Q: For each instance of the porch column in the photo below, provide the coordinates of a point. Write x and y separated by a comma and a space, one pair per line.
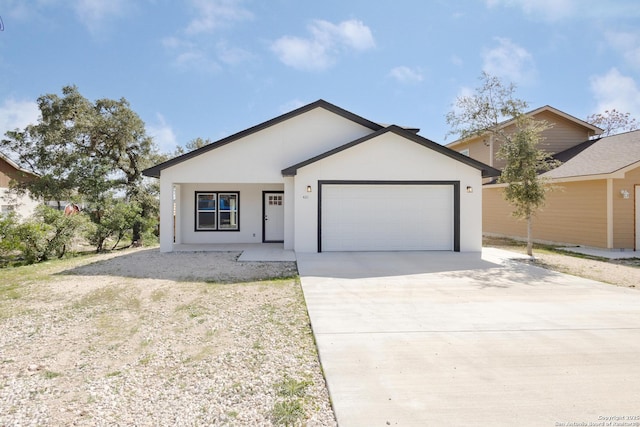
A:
177, 229
289, 209
609, 213
166, 215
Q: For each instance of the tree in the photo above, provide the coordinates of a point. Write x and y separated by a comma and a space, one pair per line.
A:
493, 110
47, 148
112, 220
194, 144
85, 150
613, 121
47, 233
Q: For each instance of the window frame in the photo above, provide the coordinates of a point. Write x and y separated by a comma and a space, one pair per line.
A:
218, 213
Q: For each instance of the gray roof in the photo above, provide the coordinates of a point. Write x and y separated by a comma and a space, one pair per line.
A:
601, 157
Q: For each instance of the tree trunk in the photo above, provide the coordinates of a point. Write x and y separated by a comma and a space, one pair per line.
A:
529, 242
136, 238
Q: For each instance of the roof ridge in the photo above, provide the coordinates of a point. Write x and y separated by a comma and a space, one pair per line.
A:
154, 171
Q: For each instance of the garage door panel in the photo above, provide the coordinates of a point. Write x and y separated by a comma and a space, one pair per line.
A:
387, 217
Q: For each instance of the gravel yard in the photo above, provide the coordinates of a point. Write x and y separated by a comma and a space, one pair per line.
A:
622, 272
144, 338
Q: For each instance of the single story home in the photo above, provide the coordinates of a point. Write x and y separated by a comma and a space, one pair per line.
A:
321, 178
24, 206
595, 201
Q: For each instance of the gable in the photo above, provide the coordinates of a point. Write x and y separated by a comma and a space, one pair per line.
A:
566, 132
416, 152
563, 134
260, 155
337, 114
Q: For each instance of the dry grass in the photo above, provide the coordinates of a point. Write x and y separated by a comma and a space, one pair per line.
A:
622, 272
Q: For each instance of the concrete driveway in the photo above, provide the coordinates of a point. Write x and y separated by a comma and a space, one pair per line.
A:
440, 338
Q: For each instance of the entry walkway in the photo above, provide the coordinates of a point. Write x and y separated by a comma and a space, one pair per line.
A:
263, 252
453, 339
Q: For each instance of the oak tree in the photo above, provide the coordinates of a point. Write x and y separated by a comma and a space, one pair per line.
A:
493, 109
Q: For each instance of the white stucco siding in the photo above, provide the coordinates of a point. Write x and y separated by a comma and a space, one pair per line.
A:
250, 218
388, 157
261, 156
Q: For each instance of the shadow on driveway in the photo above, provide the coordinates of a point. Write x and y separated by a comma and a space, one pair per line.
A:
439, 338
487, 269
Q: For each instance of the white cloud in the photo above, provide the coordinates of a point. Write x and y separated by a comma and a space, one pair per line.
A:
510, 61
326, 43
302, 54
162, 134
232, 55
213, 14
350, 33
94, 14
547, 10
17, 115
613, 90
194, 49
626, 43
582, 10
188, 56
196, 60
406, 75
463, 92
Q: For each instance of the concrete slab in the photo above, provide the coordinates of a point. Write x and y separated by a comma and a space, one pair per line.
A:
267, 252
260, 252
441, 338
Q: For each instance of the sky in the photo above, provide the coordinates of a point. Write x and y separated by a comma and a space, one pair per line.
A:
211, 68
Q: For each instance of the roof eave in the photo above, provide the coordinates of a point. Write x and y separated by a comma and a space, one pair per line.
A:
155, 171
486, 171
596, 130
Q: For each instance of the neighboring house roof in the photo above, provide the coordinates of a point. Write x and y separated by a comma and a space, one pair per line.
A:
155, 170
15, 166
599, 157
487, 171
547, 108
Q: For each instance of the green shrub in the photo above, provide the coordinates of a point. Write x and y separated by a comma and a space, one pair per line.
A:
47, 233
114, 219
9, 240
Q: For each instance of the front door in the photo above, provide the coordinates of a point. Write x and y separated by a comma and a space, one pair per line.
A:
273, 216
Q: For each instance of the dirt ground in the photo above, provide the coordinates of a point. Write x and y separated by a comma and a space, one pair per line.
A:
144, 338
139, 337
623, 272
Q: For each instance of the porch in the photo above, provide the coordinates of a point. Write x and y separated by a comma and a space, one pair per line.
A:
260, 252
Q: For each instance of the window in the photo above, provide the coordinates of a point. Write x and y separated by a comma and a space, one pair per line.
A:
275, 200
217, 211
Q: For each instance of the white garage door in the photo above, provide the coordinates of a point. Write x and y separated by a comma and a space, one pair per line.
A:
387, 217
